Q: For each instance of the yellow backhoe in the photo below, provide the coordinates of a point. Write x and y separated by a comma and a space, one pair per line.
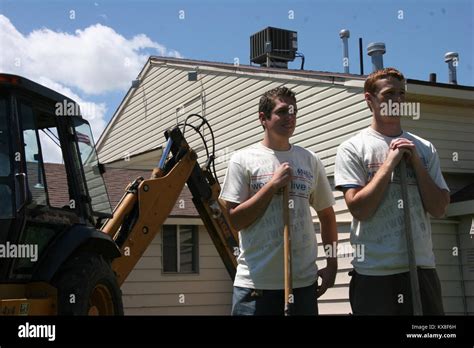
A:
72, 259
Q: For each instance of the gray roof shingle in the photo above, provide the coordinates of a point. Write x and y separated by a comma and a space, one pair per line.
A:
116, 181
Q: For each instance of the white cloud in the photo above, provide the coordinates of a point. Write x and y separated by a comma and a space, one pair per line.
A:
93, 112
95, 60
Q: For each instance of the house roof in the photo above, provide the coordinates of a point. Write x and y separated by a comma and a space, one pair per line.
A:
440, 84
464, 194
116, 180
254, 68
296, 72
462, 202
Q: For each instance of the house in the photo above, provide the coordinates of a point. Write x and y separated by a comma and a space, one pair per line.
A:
331, 109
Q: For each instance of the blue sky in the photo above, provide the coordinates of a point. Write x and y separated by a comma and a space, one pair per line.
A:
79, 47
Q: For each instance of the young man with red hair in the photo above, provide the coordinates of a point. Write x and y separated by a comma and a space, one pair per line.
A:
367, 172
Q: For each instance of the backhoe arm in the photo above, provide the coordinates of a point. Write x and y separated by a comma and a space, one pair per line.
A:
146, 205
205, 190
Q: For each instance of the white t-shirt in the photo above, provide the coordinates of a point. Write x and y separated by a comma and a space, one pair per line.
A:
383, 234
261, 262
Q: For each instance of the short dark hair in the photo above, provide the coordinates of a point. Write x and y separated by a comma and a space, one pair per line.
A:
267, 101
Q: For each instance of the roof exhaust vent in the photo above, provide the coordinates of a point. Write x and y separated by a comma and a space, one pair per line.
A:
452, 58
376, 50
344, 34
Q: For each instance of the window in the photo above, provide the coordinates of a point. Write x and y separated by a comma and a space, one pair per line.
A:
54, 169
180, 249
34, 168
4, 140
6, 205
44, 158
95, 182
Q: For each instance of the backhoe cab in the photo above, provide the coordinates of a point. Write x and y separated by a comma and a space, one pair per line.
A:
66, 253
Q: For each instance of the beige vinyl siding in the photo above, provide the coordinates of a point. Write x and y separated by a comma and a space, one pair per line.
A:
444, 234
141, 124
336, 300
236, 125
450, 129
341, 210
328, 112
466, 242
149, 291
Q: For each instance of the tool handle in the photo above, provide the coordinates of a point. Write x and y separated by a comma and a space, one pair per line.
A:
414, 284
287, 253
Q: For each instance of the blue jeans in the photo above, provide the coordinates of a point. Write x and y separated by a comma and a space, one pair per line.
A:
247, 301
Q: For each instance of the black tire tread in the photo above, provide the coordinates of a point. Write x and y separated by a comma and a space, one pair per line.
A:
78, 276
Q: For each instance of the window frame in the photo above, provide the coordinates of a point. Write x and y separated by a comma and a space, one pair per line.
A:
195, 248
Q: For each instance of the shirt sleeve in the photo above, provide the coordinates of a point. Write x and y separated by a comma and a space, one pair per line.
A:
236, 187
434, 169
321, 196
349, 169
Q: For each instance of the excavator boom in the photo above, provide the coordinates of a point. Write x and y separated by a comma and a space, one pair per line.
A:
146, 205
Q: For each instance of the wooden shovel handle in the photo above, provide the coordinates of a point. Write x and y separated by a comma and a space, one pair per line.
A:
287, 253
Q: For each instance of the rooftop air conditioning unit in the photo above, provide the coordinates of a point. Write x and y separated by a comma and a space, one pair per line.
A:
273, 47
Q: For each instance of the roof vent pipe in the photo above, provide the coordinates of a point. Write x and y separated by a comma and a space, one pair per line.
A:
452, 58
376, 50
344, 34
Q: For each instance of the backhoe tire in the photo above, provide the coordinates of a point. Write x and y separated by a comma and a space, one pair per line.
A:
87, 285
